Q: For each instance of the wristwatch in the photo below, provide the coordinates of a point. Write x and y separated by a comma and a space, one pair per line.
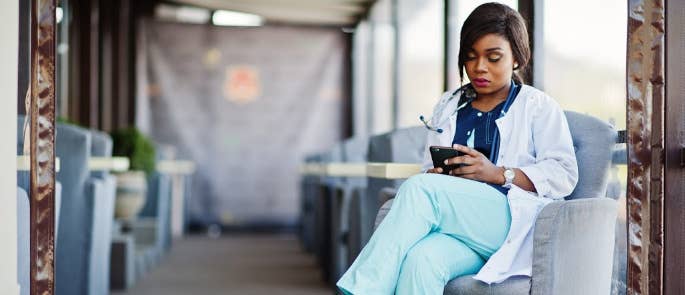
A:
509, 175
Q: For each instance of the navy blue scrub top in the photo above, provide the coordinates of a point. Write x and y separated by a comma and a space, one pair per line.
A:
476, 129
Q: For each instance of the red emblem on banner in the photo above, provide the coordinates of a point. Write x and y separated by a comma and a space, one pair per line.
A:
242, 84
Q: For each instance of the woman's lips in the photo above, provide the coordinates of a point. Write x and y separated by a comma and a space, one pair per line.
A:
480, 82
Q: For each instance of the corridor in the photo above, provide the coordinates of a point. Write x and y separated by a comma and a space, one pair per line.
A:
243, 264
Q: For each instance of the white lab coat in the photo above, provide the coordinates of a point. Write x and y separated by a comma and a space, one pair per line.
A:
535, 138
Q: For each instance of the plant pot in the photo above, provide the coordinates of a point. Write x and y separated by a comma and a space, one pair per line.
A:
131, 194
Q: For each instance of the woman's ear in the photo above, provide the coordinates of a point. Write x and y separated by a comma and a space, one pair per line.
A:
516, 66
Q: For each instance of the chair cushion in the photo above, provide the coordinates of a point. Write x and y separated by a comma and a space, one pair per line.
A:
466, 285
594, 141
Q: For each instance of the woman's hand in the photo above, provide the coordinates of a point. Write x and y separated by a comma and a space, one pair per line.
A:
479, 166
434, 170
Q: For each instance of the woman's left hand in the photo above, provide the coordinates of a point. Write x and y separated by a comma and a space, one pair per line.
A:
477, 166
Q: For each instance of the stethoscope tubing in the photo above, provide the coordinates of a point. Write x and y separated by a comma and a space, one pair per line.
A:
494, 145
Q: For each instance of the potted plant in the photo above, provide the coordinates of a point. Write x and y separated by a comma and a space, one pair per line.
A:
132, 184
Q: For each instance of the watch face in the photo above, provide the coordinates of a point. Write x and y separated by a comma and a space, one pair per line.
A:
509, 173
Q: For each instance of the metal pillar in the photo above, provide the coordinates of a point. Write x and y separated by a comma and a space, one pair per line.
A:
645, 115
42, 113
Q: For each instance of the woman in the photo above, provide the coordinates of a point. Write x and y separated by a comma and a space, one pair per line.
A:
478, 219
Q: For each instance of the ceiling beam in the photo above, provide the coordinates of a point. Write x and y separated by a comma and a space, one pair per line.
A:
337, 7
301, 14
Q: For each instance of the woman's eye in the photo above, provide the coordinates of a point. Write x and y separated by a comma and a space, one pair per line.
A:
494, 59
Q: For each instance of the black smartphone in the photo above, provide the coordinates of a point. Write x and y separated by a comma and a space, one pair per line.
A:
441, 153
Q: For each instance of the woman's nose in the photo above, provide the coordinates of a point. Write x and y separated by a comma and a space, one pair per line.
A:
481, 67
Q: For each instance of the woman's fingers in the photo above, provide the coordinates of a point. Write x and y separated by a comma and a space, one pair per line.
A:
465, 171
437, 170
467, 150
466, 160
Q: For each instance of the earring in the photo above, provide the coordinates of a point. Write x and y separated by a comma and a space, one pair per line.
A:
516, 66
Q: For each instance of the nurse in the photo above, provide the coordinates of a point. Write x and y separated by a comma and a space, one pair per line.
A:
478, 220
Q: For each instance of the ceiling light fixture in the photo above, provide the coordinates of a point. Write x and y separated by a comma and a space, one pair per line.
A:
236, 19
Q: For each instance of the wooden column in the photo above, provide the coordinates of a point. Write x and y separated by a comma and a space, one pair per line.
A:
122, 65
527, 10
107, 50
85, 82
645, 115
138, 10
42, 114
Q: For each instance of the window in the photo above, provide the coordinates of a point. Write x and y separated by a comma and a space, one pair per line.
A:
420, 58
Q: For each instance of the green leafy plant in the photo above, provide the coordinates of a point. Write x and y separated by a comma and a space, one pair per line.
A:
66, 120
131, 143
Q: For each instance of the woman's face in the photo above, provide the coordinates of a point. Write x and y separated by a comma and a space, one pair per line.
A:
490, 65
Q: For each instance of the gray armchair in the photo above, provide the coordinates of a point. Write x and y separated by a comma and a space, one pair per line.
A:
152, 228
308, 186
574, 239
400, 146
323, 202
103, 219
74, 226
75, 240
354, 150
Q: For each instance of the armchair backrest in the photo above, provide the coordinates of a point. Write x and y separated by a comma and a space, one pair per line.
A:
73, 145
404, 145
355, 150
593, 141
103, 218
334, 155
101, 147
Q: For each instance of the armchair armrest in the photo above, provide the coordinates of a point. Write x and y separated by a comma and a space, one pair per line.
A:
573, 247
145, 231
386, 194
102, 194
385, 197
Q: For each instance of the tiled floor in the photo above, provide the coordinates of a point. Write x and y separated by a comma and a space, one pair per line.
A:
234, 264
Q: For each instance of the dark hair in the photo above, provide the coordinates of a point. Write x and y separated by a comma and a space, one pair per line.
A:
499, 19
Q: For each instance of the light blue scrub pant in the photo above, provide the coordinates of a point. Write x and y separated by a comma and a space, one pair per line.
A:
439, 227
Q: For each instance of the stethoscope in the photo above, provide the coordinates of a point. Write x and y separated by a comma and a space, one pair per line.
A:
470, 95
